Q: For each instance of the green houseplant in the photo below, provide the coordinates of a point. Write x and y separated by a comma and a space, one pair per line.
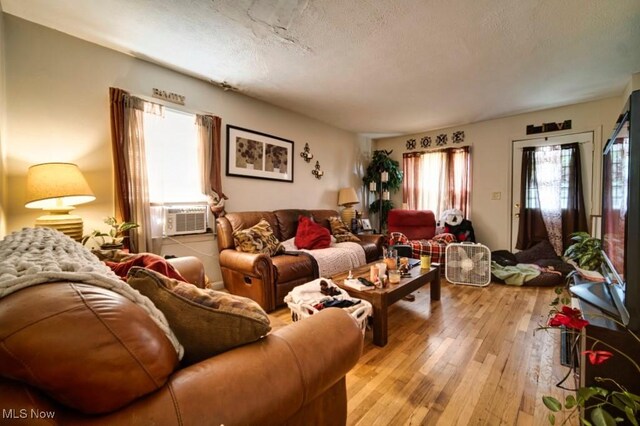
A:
381, 162
586, 251
113, 239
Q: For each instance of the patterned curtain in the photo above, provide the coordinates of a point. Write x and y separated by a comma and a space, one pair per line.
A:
551, 196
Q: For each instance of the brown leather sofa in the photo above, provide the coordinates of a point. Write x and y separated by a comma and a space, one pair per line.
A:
76, 333
266, 279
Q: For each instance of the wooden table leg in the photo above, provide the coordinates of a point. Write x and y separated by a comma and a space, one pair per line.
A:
435, 287
380, 322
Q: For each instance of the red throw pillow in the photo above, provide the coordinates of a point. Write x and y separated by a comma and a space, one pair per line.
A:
311, 235
148, 261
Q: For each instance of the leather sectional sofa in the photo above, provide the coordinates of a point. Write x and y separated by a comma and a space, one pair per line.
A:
66, 344
266, 279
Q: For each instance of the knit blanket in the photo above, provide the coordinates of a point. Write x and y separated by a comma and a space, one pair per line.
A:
340, 257
41, 255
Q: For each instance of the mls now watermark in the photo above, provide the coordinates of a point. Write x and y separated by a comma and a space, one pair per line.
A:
23, 413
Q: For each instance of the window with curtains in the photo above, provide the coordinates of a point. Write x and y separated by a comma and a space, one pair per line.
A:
552, 199
173, 166
437, 180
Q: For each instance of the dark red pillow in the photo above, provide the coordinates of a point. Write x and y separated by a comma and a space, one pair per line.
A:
148, 261
311, 235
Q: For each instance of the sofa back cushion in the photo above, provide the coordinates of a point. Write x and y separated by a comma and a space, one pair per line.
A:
288, 222
86, 347
415, 224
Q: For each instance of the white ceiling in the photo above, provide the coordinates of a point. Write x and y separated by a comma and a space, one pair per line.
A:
375, 66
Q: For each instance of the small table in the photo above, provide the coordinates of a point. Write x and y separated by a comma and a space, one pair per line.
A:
382, 298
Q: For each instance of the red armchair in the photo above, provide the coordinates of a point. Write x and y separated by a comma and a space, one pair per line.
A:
417, 228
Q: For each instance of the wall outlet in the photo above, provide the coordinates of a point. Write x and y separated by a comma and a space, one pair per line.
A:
496, 195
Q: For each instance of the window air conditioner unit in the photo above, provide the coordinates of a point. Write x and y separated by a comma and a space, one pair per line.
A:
179, 220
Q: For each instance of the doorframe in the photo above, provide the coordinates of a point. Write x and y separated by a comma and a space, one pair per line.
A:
596, 173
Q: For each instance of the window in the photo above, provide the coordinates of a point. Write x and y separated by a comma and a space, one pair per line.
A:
173, 167
437, 180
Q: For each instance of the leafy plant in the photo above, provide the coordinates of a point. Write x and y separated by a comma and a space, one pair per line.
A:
586, 251
115, 236
381, 162
606, 407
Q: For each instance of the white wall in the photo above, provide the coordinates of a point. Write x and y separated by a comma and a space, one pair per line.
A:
3, 154
491, 143
57, 110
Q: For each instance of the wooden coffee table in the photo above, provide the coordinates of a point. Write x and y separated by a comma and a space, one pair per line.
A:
382, 298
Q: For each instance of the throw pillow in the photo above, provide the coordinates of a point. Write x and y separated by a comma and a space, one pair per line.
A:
311, 235
258, 239
146, 260
340, 231
398, 238
206, 322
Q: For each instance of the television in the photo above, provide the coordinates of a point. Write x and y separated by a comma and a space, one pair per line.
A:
619, 296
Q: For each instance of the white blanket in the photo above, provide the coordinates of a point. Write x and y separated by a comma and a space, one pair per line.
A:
339, 257
42, 255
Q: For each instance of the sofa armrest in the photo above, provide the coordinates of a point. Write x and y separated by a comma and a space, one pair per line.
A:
377, 239
191, 268
268, 381
254, 264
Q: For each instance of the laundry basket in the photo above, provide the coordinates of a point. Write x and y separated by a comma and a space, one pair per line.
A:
302, 299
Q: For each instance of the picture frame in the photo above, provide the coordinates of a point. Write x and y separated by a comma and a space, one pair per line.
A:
366, 225
258, 155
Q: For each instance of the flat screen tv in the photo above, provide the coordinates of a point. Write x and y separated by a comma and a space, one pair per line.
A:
620, 295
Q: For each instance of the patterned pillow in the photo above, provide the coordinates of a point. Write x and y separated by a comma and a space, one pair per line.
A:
340, 231
396, 238
206, 322
258, 239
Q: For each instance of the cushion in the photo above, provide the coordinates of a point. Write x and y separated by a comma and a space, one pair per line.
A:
206, 322
340, 231
542, 250
147, 260
258, 239
311, 235
398, 238
84, 346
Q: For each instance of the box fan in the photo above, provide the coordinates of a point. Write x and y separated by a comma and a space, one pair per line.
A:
468, 264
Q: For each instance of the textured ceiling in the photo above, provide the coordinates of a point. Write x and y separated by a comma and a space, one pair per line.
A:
375, 66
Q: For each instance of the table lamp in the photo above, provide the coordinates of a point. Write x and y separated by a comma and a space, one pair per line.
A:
56, 188
347, 198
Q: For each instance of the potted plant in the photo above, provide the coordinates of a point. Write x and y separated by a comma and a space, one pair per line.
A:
381, 162
114, 238
586, 251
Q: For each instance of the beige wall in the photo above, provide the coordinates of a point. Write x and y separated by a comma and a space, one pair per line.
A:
3, 171
57, 110
491, 143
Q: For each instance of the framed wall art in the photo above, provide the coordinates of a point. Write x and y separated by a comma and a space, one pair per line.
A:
258, 155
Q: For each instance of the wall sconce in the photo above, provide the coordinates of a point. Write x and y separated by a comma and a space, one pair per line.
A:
317, 172
56, 188
306, 154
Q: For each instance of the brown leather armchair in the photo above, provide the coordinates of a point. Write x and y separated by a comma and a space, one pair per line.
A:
266, 279
73, 371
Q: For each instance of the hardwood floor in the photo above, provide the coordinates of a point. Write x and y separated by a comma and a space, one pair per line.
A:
470, 359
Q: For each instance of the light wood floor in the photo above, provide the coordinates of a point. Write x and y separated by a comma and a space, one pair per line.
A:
470, 359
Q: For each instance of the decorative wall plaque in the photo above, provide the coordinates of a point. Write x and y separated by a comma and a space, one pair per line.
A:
457, 137
411, 144
441, 139
548, 127
425, 142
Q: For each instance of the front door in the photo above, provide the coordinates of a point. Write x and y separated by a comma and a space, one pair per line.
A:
586, 154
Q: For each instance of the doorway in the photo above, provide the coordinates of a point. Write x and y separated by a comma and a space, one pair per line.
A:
586, 153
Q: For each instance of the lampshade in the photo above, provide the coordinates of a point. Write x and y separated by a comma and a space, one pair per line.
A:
57, 187
51, 185
347, 197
